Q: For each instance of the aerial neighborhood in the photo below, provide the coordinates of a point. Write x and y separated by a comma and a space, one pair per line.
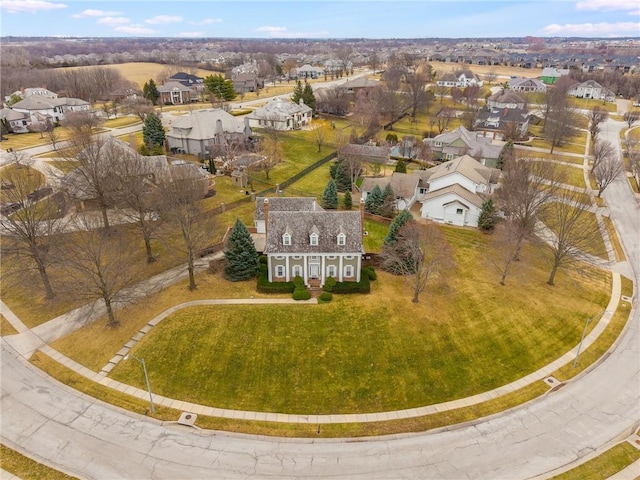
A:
318, 239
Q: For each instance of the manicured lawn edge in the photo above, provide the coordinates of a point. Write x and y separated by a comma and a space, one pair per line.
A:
588, 359
605, 465
24, 467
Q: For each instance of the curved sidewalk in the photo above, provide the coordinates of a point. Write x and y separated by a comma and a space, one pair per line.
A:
543, 374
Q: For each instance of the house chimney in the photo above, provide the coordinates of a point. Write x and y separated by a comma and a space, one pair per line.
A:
301, 102
265, 209
219, 129
361, 216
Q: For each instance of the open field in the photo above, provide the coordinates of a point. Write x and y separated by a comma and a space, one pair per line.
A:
500, 70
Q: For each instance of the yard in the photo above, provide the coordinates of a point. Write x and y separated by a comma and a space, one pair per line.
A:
358, 353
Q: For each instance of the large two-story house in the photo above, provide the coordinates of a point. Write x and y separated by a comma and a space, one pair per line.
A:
505, 115
196, 132
461, 141
591, 89
455, 191
460, 79
281, 115
303, 239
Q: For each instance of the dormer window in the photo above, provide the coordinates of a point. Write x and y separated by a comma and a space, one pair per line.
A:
314, 233
342, 238
286, 239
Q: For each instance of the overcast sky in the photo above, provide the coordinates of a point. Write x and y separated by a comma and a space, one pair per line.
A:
320, 18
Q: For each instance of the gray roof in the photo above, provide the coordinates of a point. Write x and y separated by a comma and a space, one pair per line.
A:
465, 165
12, 115
362, 82
202, 124
506, 96
286, 204
478, 146
174, 86
371, 152
458, 190
403, 184
326, 224
278, 108
38, 102
526, 82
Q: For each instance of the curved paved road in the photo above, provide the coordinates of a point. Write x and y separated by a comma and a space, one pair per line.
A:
92, 440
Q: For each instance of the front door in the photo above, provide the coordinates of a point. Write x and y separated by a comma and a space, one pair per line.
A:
314, 270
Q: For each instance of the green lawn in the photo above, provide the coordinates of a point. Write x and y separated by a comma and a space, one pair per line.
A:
605, 465
374, 352
571, 175
24, 467
121, 122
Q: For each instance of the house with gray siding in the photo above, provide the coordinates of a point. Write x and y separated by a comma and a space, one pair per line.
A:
302, 239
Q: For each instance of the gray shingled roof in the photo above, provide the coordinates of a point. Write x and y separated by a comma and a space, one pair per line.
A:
328, 224
458, 190
202, 124
403, 184
174, 86
286, 204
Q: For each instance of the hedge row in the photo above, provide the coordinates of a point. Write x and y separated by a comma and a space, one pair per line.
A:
265, 286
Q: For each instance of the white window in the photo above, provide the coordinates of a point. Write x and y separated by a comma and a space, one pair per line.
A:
286, 239
348, 257
313, 239
438, 144
331, 257
348, 271
331, 271
297, 271
297, 257
341, 239
280, 271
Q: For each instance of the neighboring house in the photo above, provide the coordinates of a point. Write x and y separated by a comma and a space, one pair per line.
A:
506, 99
460, 79
125, 93
527, 85
155, 169
360, 84
306, 71
404, 186
27, 92
246, 82
367, 153
550, 75
174, 93
591, 89
16, 122
455, 191
187, 80
494, 123
303, 239
37, 106
193, 133
461, 141
281, 115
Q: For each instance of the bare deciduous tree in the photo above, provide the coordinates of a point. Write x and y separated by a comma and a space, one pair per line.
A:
631, 117
98, 265
420, 253
527, 186
320, 134
419, 98
575, 231
179, 201
606, 172
596, 116
140, 107
31, 229
602, 151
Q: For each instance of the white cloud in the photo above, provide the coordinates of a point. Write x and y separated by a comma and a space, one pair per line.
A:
207, 21
163, 20
29, 6
190, 34
619, 29
282, 32
114, 21
135, 30
607, 5
95, 13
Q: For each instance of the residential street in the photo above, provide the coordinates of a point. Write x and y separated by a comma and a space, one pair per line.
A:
89, 439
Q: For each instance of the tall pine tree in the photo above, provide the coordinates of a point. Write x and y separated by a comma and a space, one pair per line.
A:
150, 91
308, 97
373, 203
153, 132
388, 207
240, 254
330, 196
297, 92
392, 234
347, 201
488, 216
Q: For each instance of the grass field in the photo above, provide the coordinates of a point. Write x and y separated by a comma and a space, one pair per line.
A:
469, 316
604, 465
28, 469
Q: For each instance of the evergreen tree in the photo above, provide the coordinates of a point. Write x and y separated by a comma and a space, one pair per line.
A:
220, 87
339, 171
240, 254
150, 91
388, 207
347, 201
401, 167
373, 203
330, 196
153, 132
297, 92
392, 234
308, 97
507, 153
488, 216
